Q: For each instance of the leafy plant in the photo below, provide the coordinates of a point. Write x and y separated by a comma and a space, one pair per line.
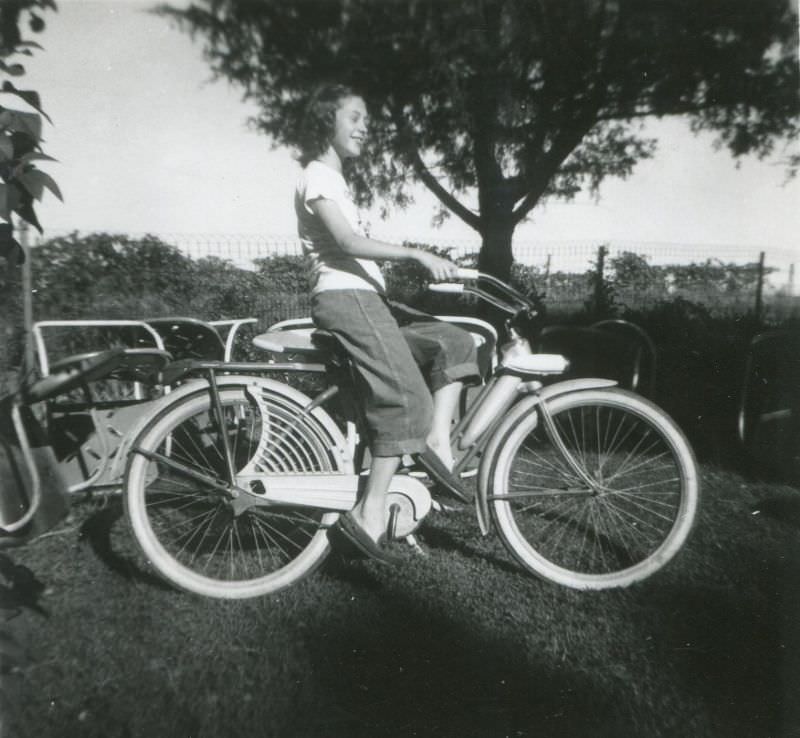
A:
21, 182
285, 273
21, 130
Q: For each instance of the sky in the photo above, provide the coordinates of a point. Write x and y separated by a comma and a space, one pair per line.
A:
147, 142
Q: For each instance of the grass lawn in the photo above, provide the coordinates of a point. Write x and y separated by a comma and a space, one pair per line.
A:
459, 643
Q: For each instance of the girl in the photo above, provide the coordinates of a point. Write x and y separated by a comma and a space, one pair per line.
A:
387, 342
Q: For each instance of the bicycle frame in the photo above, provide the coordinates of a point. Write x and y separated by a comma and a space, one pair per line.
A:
248, 487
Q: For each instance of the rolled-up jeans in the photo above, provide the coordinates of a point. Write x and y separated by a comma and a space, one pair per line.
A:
395, 349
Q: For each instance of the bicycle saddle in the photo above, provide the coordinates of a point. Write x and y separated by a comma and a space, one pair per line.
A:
314, 344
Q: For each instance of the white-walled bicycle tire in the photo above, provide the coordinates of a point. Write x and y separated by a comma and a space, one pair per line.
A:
186, 530
564, 531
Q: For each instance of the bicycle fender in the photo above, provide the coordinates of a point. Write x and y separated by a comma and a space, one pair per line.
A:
149, 410
574, 385
486, 468
518, 411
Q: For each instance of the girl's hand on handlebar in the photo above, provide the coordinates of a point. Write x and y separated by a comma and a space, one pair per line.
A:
441, 269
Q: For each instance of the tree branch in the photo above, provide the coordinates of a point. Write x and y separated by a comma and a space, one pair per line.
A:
586, 116
446, 198
429, 180
563, 146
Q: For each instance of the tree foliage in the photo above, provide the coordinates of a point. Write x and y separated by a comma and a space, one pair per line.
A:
497, 104
712, 277
21, 130
21, 182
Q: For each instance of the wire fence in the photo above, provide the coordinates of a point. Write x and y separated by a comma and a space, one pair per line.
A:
734, 278
573, 276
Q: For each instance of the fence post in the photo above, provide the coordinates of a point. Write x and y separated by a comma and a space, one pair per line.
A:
600, 301
547, 275
760, 286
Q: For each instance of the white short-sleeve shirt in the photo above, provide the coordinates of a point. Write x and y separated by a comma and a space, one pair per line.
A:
332, 268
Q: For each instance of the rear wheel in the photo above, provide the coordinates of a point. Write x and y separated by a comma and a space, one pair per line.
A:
622, 517
188, 528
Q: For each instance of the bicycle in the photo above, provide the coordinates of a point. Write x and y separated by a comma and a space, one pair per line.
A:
234, 478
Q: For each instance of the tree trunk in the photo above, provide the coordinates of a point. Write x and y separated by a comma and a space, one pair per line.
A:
495, 255
495, 258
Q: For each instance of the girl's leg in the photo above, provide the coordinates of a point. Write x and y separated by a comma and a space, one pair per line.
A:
449, 356
445, 403
370, 511
397, 403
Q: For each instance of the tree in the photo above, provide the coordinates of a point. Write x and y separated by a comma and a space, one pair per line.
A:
511, 101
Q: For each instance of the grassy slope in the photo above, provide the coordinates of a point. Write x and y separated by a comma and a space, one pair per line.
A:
461, 643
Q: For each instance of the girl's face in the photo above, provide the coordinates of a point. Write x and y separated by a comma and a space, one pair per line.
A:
350, 127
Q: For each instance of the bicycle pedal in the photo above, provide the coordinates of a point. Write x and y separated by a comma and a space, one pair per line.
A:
441, 507
412, 542
443, 478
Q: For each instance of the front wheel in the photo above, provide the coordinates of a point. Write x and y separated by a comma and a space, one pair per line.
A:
618, 518
183, 519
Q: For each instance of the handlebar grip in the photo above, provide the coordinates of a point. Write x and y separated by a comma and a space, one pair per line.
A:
468, 274
446, 287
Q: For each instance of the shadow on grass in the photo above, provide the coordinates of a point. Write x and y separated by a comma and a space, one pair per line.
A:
98, 529
783, 508
19, 588
740, 654
429, 649
441, 538
347, 569
406, 670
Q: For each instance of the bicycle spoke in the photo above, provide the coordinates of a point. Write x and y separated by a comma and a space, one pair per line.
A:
582, 534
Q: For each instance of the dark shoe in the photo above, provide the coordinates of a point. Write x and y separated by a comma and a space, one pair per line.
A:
440, 474
357, 537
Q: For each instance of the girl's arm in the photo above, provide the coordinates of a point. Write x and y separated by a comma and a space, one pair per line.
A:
361, 247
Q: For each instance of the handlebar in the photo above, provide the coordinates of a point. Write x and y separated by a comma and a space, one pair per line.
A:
452, 287
509, 299
465, 275
133, 365
72, 372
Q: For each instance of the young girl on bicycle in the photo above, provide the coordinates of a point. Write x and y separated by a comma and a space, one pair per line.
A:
390, 344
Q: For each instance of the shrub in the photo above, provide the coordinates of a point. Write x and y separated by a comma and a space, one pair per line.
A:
106, 275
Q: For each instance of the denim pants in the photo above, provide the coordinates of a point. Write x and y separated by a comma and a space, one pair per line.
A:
398, 353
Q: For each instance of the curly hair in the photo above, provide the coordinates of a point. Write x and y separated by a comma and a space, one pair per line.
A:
319, 117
